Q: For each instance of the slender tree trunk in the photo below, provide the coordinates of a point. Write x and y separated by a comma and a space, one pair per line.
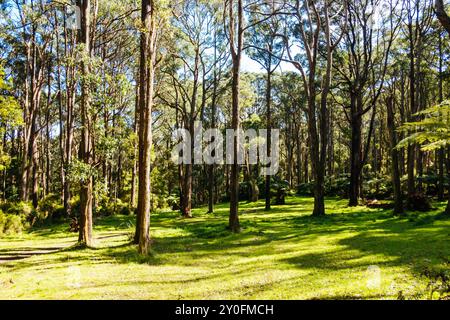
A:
236, 33
234, 179
186, 204
36, 85
447, 210
269, 133
299, 139
395, 175
68, 148
47, 130
355, 158
212, 167
60, 112
330, 160
441, 151
70, 84
319, 175
135, 130
306, 163
355, 151
146, 87
413, 109
85, 152
28, 117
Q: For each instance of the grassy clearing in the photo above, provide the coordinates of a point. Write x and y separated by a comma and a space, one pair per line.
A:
284, 254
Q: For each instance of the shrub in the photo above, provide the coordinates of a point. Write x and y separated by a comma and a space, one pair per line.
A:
334, 186
158, 202
174, 202
2, 222
244, 190
17, 215
50, 207
126, 211
337, 186
21, 208
377, 187
419, 202
75, 205
10, 224
113, 207
13, 224
305, 189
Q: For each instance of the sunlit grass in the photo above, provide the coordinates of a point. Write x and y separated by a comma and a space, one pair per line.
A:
282, 254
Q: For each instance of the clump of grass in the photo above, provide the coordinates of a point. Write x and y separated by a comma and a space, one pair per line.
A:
439, 281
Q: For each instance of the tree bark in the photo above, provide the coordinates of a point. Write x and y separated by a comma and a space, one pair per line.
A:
135, 130
442, 15
447, 210
186, 204
395, 175
441, 152
235, 32
355, 151
146, 88
269, 128
413, 109
212, 167
85, 152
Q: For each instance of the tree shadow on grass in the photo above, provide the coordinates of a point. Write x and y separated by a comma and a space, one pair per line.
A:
404, 243
205, 237
417, 246
15, 254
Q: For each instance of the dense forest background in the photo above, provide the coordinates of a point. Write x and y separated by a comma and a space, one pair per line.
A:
359, 90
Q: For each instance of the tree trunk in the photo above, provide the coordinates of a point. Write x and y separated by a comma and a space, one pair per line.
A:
146, 87
134, 169
319, 175
236, 33
234, 179
212, 167
269, 133
441, 151
355, 153
85, 152
186, 204
395, 175
413, 109
442, 15
447, 210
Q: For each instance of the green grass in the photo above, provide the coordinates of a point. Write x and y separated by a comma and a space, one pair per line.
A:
283, 254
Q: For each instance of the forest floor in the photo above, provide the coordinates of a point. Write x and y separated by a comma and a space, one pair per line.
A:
352, 253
